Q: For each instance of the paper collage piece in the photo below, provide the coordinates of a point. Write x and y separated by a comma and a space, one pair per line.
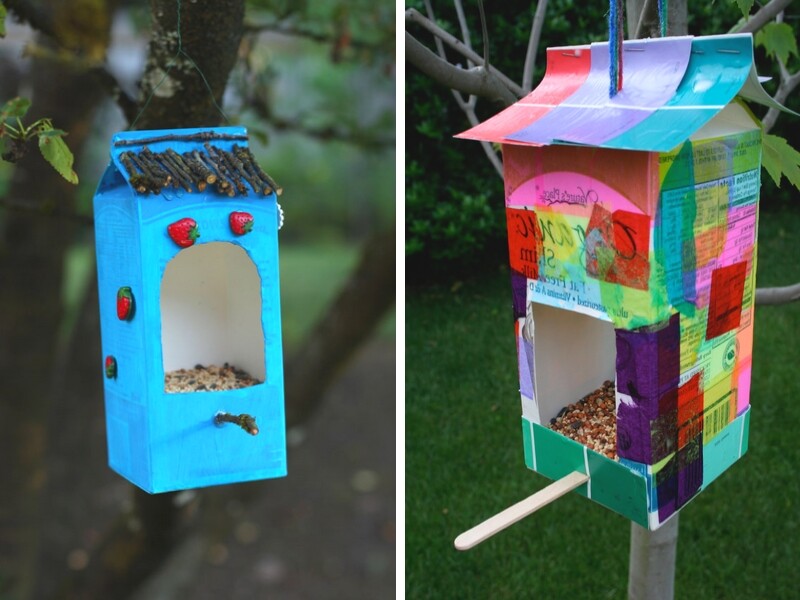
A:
187, 260
635, 263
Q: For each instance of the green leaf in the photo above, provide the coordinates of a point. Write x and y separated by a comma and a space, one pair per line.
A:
778, 40
55, 151
52, 133
745, 6
2, 20
14, 108
779, 158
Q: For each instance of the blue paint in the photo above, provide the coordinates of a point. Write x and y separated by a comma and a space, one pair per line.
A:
167, 441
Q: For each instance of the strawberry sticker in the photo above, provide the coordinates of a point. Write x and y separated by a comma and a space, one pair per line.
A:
125, 306
241, 222
111, 367
184, 232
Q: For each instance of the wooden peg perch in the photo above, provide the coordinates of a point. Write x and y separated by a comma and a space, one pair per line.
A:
520, 510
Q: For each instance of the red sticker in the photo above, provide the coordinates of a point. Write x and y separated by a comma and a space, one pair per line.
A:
725, 305
524, 241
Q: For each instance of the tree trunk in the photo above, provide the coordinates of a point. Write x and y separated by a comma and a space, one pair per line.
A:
187, 70
365, 298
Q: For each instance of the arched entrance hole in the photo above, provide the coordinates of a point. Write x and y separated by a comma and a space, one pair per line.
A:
211, 315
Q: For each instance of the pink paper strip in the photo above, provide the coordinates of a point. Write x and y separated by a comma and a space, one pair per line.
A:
567, 69
653, 71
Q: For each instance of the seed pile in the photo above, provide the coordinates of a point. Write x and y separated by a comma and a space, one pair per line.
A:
229, 172
591, 421
207, 379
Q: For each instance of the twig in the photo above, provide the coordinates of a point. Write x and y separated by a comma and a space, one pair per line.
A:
246, 422
646, 9
202, 136
262, 174
485, 33
462, 23
183, 168
331, 133
533, 46
325, 38
477, 81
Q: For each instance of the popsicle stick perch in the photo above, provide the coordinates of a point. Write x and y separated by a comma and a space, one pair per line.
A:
519, 511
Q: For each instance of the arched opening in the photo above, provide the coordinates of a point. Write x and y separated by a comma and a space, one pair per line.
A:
212, 338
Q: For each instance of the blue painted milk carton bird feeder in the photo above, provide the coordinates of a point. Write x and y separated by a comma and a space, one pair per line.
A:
186, 226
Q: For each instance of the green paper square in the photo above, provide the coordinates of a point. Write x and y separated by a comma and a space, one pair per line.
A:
526, 443
618, 488
556, 455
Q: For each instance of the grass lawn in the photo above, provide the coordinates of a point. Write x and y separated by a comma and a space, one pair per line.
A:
740, 538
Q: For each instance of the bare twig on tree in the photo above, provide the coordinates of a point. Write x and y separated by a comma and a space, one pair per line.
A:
533, 45
647, 14
477, 81
315, 36
414, 16
466, 105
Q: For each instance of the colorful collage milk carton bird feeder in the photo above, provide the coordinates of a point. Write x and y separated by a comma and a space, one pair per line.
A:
632, 226
186, 229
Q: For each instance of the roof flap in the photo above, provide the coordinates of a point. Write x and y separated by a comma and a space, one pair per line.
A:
193, 159
672, 87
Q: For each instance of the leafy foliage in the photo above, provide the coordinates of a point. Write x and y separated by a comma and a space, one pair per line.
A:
14, 137
778, 41
447, 227
56, 152
14, 109
745, 6
2, 20
779, 158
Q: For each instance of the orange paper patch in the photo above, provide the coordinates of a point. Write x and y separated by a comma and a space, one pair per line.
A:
524, 241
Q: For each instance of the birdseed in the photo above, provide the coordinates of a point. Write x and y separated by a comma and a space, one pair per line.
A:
591, 421
210, 378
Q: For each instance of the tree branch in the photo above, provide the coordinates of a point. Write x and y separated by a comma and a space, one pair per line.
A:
332, 133
533, 45
787, 85
764, 15
26, 12
309, 34
777, 295
414, 16
476, 81
352, 316
646, 16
